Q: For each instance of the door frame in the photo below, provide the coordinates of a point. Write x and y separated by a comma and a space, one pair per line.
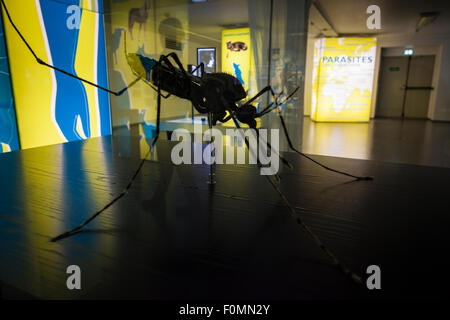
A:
394, 47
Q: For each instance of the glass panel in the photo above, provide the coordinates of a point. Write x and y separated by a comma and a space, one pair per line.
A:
238, 32
280, 59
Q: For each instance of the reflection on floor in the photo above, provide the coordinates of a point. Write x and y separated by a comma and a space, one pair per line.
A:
420, 142
173, 236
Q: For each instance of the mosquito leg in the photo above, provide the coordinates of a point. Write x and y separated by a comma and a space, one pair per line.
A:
283, 124
264, 90
277, 176
171, 66
156, 89
305, 227
269, 109
285, 162
158, 110
212, 166
177, 61
42, 62
202, 69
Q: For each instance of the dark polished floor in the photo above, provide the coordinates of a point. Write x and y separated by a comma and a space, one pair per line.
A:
174, 236
409, 141
420, 142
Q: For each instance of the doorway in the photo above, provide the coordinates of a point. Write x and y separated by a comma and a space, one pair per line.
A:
405, 86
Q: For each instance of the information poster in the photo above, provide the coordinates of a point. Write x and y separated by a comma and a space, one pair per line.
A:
343, 79
236, 54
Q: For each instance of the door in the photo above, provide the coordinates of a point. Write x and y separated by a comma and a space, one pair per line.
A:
419, 88
391, 89
405, 86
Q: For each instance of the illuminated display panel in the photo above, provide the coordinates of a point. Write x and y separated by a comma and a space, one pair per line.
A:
52, 107
342, 79
236, 54
208, 57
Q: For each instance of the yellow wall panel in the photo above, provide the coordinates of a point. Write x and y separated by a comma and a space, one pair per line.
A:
85, 65
31, 81
236, 54
52, 107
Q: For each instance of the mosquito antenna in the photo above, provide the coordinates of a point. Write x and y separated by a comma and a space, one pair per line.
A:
265, 110
277, 106
276, 97
289, 96
40, 61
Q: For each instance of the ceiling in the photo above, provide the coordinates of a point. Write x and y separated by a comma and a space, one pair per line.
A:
344, 17
209, 18
218, 12
397, 16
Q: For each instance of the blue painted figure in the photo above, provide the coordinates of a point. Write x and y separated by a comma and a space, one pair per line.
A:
71, 99
238, 73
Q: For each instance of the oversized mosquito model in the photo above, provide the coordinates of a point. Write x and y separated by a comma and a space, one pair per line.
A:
217, 94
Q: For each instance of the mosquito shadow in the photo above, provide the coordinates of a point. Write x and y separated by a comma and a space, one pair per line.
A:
87, 231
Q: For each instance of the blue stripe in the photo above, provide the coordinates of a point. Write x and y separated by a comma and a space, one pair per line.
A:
71, 98
102, 75
8, 128
100, 6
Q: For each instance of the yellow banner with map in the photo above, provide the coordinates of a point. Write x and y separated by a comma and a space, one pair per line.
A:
343, 79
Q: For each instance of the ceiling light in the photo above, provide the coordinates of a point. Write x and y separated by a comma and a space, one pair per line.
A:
425, 19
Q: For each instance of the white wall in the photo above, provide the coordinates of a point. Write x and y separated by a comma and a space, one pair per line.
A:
308, 75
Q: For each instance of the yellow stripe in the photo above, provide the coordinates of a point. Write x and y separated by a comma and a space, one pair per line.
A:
32, 83
5, 147
86, 4
84, 65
